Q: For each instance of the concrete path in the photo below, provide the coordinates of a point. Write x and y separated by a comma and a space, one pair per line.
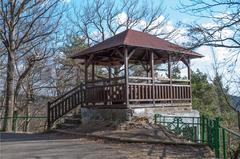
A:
62, 146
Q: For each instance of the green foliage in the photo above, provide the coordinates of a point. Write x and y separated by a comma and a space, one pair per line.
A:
212, 99
227, 113
73, 44
203, 94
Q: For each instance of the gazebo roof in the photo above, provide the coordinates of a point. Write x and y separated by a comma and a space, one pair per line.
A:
137, 39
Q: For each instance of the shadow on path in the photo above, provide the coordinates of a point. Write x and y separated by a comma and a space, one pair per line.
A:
13, 137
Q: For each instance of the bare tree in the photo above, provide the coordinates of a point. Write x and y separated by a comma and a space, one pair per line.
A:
68, 72
219, 28
97, 20
222, 28
24, 25
100, 19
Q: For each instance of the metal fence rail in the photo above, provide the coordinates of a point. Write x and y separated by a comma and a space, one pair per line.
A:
223, 141
188, 127
26, 123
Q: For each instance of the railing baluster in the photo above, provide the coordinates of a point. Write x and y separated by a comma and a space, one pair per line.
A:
108, 94
63, 104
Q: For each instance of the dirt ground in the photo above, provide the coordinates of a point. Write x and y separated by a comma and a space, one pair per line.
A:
63, 146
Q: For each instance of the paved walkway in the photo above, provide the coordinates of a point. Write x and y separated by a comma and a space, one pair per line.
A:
63, 146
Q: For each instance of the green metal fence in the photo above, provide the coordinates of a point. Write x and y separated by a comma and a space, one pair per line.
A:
25, 123
224, 142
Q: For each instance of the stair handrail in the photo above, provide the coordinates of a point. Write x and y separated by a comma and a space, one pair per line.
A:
66, 93
51, 108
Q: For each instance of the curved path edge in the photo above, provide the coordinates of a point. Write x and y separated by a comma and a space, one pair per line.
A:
128, 140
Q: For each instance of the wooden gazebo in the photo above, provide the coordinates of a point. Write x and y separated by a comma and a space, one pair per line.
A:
130, 47
129, 92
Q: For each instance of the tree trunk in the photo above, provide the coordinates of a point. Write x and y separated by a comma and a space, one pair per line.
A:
26, 128
239, 121
9, 93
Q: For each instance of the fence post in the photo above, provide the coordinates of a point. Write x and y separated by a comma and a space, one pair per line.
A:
48, 116
81, 85
15, 117
5, 118
217, 137
193, 130
203, 128
224, 144
208, 139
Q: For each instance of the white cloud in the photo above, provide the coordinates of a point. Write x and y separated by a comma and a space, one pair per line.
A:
121, 18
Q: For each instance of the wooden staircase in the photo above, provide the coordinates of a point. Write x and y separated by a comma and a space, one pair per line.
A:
64, 104
70, 122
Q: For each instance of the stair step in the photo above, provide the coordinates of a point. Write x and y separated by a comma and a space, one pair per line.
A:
73, 120
67, 125
77, 116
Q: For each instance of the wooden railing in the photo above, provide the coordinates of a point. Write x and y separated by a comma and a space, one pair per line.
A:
105, 94
85, 95
64, 104
113, 95
143, 92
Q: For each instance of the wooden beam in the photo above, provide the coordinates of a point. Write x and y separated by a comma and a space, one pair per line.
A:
88, 61
170, 76
109, 73
140, 78
185, 62
157, 54
131, 53
143, 65
86, 79
152, 75
107, 63
147, 65
169, 66
189, 78
126, 76
93, 75
239, 121
93, 71
144, 55
189, 69
119, 53
86, 70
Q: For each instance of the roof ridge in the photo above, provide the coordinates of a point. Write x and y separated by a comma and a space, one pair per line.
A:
132, 37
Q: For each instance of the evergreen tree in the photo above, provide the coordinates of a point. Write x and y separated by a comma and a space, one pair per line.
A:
212, 99
222, 98
203, 95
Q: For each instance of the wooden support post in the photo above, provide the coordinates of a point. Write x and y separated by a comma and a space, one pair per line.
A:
170, 77
189, 69
86, 80
239, 121
152, 75
93, 72
148, 65
109, 73
48, 116
86, 71
189, 78
126, 75
93, 78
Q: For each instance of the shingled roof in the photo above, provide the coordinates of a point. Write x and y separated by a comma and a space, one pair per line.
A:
137, 39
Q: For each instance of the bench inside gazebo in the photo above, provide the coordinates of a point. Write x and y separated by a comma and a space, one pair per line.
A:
122, 90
